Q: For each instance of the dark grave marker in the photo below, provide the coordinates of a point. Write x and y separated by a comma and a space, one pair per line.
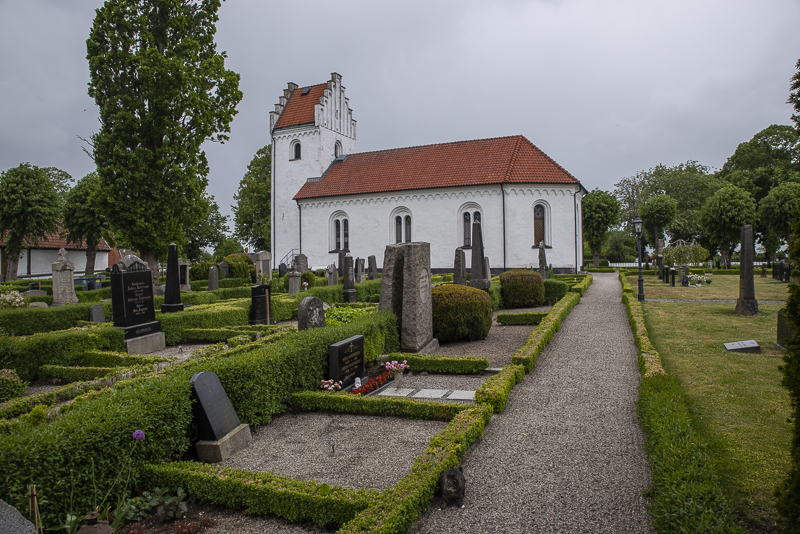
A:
672, 277
346, 360
660, 266
132, 298
213, 411
282, 270
259, 306
96, 314
743, 346
784, 331
172, 292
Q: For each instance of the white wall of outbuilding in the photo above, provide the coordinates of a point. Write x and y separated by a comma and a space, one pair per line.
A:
41, 261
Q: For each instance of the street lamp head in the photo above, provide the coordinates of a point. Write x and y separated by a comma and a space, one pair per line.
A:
637, 225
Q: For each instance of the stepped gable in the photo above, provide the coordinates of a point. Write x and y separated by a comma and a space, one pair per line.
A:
300, 107
509, 160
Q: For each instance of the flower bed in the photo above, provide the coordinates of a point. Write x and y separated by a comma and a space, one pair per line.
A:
373, 384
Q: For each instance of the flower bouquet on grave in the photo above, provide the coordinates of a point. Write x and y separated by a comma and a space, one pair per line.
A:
330, 385
397, 369
372, 385
305, 286
685, 282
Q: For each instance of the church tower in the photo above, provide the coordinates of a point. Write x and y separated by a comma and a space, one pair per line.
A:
310, 127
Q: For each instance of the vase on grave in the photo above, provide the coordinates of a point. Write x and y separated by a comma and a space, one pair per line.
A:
398, 379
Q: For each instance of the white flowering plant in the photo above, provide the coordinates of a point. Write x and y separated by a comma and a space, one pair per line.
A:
10, 298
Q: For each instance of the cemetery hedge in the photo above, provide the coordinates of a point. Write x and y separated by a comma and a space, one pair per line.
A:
521, 318
227, 313
73, 374
528, 354
464, 365
494, 392
356, 404
521, 288
99, 424
554, 290
27, 321
582, 286
460, 313
10, 385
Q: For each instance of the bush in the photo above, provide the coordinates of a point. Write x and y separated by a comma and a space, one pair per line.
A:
309, 278
27, 321
73, 374
369, 291
496, 294
239, 266
521, 318
228, 313
10, 385
494, 392
554, 290
199, 271
465, 365
521, 288
460, 313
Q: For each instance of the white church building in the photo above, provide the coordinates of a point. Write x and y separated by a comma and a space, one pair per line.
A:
326, 197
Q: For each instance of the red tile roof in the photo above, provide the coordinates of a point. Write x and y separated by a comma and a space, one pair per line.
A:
300, 108
55, 241
511, 159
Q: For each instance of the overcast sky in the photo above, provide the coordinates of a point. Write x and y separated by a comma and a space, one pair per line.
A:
605, 88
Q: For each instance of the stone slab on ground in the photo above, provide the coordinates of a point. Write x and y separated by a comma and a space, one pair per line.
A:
430, 394
396, 392
146, 344
461, 394
234, 441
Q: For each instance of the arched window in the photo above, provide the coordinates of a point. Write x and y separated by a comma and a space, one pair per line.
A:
398, 229
467, 229
337, 149
339, 231
400, 225
541, 220
408, 228
346, 233
296, 150
468, 213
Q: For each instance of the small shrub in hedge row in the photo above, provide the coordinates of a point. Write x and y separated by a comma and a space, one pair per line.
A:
460, 313
494, 392
496, 294
601, 269
228, 313
26, 355
521, 288
22, 405
27, 321
554, 290
107, 358
369, 291
74, 374
464, 365
528, 354
521, 318
581, 287
355, 404
626, 286
94, 295
10, 385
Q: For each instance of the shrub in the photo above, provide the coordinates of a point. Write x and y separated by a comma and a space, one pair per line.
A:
369, 291
199, 271
521, 288
465, 365
228, 313
494, 392
309, 278
239, 266
10, 385
27, 321
521, 318
73, 374
496, 294
554, 290
461, 313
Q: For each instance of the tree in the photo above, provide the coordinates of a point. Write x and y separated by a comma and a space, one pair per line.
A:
657, 213
600, 212
723, 216
30, 209
208, 232
83, 221
620, 246
228, 246
794, 97
776, 211
162, 89
251, 214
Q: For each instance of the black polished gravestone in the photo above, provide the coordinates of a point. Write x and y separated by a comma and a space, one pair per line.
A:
259, 304
212, 408
172, 293
346, 360
132, 298
743, 346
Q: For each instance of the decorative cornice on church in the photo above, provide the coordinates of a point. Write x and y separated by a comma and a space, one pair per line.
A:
398, 199
323, 105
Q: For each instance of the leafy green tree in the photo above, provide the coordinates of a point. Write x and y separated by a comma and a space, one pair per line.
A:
163, 90
208, 232
30, 209
723, 216
251, 214
794, 97
600, 212
83, 221
620, 246
777, 210
657, 213
228, 246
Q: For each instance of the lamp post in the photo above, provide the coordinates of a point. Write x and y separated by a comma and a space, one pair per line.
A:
637, 225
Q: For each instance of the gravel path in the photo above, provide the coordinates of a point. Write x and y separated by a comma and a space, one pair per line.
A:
566, 454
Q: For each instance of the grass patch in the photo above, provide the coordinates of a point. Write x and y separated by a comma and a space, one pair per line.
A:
721, 287
736, 401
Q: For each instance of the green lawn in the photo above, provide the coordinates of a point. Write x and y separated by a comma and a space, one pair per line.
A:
722, 286
736, 400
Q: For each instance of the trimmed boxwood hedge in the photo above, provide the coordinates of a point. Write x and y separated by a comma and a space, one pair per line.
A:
521, 288
554, 290
460, 313
228, 313
528, 354
464, 365
521, 318
10, 385
374, 405
27, 321
74, 374
494, 392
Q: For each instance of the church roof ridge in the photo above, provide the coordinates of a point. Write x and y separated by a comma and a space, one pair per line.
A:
299, 107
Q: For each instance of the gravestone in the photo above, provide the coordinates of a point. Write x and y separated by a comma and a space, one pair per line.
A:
213, 278
34, 293
13, 522
660, 266
487, 269
743, 346
478, 278
34, 286
360, 275
263, 262
310, 314
221, 432
333, 276
340, 265
680, 273
406, 291
63, 283
183, 274
96, 314
294, 283
459, 268
784, 332
132, 305
346, 360
542, 262
349, 279
282, 270
224, 269
172, 291
672, 277
372, 268
747, 303
763, 270
711, 265
300, 263
259, 304
37, 304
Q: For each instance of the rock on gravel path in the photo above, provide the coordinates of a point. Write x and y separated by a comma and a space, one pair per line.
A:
566, 455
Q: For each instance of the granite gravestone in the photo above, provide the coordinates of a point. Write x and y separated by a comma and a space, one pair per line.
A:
784, 332
294, 283
372, 268
660, 266
333, 276
747, 303
743, 346
224, 269
183, 274
349, 280
360, 275
542, 262
96, 314
406, 291
478, 278
221, 432
310, 314
132, 305
172, 291
13, 522
213, 278
263, 262
763, 270
459, 268
282, 270
300, 263
63, 283
259, 304
340, 265
346, 360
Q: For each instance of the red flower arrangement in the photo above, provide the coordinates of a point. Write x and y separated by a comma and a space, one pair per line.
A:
373, 384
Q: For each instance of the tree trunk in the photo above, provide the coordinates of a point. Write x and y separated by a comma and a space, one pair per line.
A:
91, 254
152, 262
655, 238
596, 258
13, 266
723, 253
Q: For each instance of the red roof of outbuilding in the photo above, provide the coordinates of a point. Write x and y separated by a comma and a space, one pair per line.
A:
300, 107
511, 159
55, 241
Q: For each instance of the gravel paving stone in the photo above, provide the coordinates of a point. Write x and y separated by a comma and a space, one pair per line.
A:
566, 455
